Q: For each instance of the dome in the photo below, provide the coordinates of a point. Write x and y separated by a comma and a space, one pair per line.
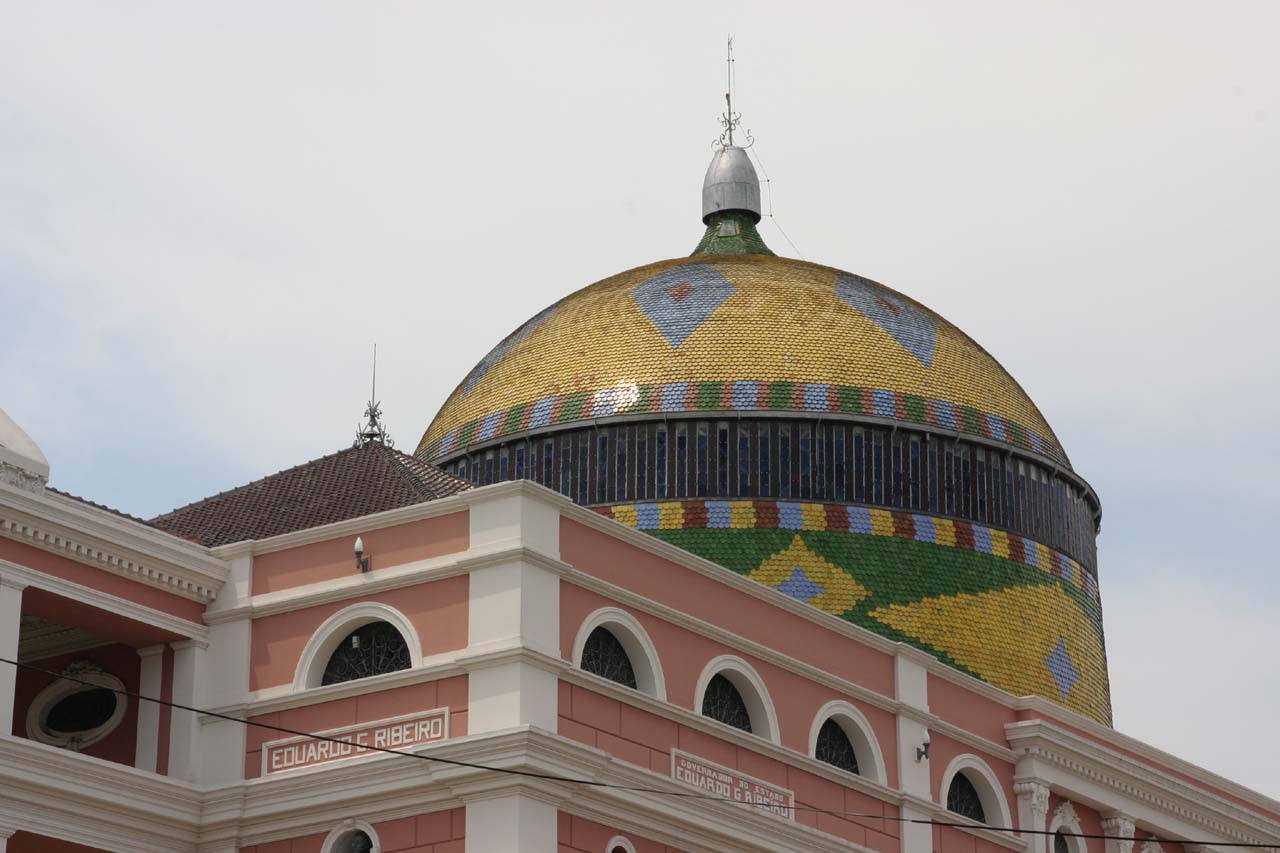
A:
744, 333
22, 462
814, 430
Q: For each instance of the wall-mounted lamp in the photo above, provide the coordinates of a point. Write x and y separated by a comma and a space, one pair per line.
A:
362, 562
922, 752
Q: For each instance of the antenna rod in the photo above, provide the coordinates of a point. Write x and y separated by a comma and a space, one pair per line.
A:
728, 95
373, 393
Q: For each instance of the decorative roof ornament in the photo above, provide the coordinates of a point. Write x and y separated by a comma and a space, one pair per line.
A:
730, 120
373, 430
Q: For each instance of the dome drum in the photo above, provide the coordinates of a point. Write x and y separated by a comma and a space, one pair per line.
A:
628, 459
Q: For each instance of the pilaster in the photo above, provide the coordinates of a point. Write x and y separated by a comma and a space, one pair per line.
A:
10, 622
1116, 824
184, 726
1033, 813
512, 823
911, 688
149, 684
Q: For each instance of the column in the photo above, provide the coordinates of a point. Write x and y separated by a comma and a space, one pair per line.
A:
5, 834
911, 688
10, 620
184, 726
1033, 813
149, 712
514, 609
1118, 825
511, 823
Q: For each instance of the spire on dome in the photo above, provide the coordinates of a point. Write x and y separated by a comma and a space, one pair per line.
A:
731, 189
373, 430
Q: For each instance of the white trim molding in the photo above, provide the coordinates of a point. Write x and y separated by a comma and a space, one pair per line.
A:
315, 655
619, 841
764, 720
342, 833
985, 782
854, 724
628, 631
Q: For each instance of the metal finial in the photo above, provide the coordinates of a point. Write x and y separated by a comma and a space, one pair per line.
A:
373, 430
730, 120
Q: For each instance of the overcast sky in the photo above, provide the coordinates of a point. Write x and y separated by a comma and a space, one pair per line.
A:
210, 212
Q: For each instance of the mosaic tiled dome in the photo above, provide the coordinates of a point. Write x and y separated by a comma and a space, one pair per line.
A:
815, 430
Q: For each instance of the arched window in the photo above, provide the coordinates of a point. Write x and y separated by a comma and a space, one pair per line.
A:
605, 656
352, 837
371, 649
1060, 843
963, 799
612, 644
835, 748
722, 701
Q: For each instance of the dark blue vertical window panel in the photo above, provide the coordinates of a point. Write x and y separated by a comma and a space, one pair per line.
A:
602, 468
660, 462
840, 472
519, 463
966, 483
620, 466
859, 468
548, 464
744, 460
877, 468
895, 472
682, 459
784, 461
642, 463
765, 489
915, 474
722, 460
806, 462
581, 471
933, 476
703, 460
504, 467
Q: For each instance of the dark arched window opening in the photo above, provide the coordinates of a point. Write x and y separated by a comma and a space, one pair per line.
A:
86, 709
604, 656
371, 649
357, 842
723, 702
835, 748
963, 799
1060, 843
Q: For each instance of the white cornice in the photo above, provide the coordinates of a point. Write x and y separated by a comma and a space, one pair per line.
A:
106, 601
111, 542
1136, 781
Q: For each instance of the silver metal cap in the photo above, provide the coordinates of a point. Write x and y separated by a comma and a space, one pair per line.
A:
731, 184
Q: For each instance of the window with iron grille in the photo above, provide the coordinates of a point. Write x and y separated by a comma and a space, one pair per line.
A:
371, 649
723, 702
963, 799
835, 748
604, 656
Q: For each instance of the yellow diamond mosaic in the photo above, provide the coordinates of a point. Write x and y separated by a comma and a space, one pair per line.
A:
744, 321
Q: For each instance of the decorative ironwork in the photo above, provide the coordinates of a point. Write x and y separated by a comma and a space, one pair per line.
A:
963, 799
371, 649
723, 702
835, 748
730, 120
605, 656
373, 430
1060, 843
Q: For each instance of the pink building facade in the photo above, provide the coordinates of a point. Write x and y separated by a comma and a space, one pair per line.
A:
514, 744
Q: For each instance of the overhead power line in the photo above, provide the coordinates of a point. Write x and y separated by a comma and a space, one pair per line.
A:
593, 783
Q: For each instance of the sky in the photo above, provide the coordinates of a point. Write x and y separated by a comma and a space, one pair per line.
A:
209, 213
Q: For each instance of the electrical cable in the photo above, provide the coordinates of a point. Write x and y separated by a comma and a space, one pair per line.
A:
551, 777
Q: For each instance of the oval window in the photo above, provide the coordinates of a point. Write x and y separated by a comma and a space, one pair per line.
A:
75, 714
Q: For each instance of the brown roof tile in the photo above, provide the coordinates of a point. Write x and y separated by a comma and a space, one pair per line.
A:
348, 484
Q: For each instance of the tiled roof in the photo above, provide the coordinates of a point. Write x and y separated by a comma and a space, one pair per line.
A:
348, 484
738, 333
